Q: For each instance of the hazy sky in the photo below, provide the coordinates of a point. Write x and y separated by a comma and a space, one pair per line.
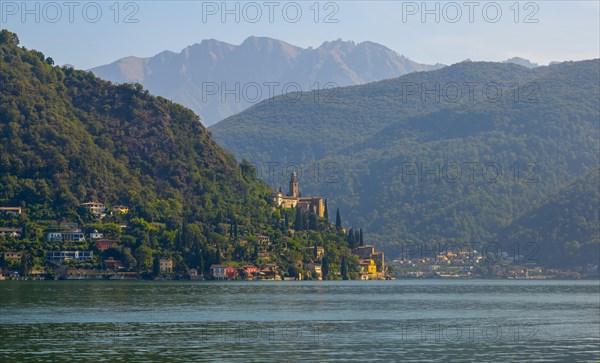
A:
91, 33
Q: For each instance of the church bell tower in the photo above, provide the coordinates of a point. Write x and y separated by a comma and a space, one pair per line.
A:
293, 185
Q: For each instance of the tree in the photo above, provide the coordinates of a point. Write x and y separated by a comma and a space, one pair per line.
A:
143, 255
201, 264
15, 39
344, 268
326, 211
325, 267
361, 241
312, 222
156, 266
218, 256
24, 268
128, 260
350, 238
338, 219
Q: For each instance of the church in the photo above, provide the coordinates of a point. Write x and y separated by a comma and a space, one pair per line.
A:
293, 199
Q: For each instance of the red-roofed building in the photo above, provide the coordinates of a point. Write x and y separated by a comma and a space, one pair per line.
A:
104, 244
112, 264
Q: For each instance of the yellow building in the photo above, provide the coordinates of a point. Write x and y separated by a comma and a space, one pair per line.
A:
166, 265
372, 268
120, 209
368, 252
368, 266
293, 200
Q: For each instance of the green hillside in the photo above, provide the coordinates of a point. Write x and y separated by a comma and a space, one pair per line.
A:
565, 228
379, 140
67, 137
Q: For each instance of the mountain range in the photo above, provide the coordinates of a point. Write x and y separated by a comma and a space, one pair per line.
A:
217, 79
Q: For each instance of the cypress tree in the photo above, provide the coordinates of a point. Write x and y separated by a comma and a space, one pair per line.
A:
325, 268
326, 212
361, 241
201, 265
350, 238
218, 257
344, 269
338, 219
24, 267
156, 266
312, 222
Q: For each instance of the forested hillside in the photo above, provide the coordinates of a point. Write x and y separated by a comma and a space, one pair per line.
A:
67, 137
451, 155
565, 227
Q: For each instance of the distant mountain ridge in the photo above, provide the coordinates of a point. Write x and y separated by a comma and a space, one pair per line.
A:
217, 79
522, 62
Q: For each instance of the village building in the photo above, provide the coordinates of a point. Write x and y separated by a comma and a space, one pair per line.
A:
97, 209
11, 211
316, 268
368, 252
194, 274
166, 265
11, 232
250, 271
121, 209
112, 265
294, 200
15, 256
262, 239
316, 251
219, 272
61, 256
270, 272
367, 269
72, 236
96, 235
104, 244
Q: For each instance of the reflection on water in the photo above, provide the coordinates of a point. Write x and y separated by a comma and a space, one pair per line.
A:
417, 320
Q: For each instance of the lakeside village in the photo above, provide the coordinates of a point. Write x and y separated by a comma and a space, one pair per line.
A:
98, 250
430, 262
68, 250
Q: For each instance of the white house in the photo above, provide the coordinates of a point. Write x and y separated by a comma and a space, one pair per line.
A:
73, 236
70, 255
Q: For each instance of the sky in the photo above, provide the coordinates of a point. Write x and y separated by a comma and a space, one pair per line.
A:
91, 33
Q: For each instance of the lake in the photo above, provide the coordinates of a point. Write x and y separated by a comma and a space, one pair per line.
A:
329, 321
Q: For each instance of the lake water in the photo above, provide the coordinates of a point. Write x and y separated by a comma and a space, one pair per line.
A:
346, 321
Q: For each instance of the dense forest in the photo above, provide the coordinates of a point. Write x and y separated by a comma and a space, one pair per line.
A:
67, 137
565, 228
453, 155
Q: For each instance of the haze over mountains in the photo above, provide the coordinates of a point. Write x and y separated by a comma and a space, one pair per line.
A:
416, 165
216, 79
